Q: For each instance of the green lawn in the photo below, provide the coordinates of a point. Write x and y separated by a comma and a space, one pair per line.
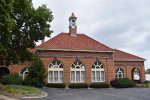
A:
20, 89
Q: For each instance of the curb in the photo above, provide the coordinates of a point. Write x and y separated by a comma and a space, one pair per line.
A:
43, 94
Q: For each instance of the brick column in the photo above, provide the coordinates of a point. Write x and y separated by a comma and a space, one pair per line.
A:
110, 68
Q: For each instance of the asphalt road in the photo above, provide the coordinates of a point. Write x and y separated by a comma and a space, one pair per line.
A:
97, 94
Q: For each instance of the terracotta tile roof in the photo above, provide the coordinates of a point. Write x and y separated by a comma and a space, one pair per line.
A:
68, 42
124, 56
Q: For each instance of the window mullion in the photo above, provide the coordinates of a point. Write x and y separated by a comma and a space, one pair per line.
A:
48, 77
58, 76
74, 76
100, 76
95, 76
80, 76
53, 77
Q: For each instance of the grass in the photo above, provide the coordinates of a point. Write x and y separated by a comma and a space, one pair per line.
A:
20, 89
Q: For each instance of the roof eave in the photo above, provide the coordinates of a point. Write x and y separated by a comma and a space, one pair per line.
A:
126, 59
49, 49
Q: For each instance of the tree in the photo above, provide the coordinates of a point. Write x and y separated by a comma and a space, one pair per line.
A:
36, 75
6, 25
21, 26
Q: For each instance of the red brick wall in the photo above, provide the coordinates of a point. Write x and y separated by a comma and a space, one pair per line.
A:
129, 66
67, 58
110, 65
88, 61
16, 68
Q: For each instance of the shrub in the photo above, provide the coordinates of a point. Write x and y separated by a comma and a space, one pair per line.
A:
122, 83
36, 74
99, 85
147, 85
13, 78
56, 85
78, 85
146, 81
1, 87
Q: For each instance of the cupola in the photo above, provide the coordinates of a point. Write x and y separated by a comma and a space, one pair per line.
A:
72, 25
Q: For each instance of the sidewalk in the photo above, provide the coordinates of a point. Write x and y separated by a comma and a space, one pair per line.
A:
7, 96
3, 97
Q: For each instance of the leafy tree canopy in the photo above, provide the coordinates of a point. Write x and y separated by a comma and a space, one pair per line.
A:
21, 26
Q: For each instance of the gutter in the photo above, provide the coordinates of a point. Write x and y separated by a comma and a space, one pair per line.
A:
129, 60
72, 50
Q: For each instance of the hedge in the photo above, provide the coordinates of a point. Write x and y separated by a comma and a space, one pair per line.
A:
55, 85
78, 85
99, 85
122, 83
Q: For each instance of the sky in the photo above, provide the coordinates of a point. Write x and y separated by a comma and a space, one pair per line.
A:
121, 24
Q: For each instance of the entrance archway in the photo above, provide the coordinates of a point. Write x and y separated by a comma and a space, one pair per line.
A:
136, 75
4, 71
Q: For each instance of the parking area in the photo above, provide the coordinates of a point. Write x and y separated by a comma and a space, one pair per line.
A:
97, 94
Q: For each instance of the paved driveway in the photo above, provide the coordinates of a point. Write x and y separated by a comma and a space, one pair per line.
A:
97, 94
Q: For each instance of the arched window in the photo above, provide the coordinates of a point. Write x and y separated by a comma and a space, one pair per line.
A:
77, 72
119, 73
136, 74
98, 72
24, 72
4, 71
55, 72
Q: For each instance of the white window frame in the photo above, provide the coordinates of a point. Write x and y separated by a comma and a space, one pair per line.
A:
81, 70
98, 67
24, 74
119, 73
56, 68
136, 74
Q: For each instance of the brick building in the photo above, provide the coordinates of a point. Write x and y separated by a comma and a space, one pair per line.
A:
76, 58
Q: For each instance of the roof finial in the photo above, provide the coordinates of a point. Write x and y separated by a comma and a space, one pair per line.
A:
72, 15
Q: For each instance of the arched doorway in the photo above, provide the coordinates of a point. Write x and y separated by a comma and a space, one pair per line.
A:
4, 71
136, 75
